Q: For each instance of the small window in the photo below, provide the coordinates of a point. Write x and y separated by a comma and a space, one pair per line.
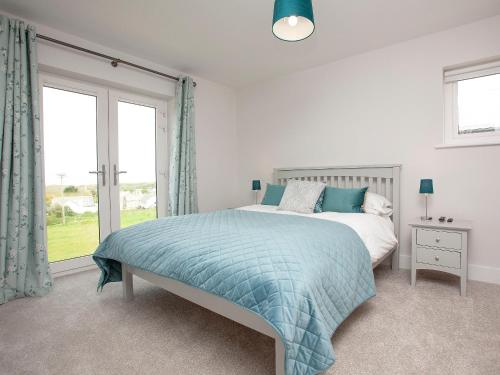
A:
472, 105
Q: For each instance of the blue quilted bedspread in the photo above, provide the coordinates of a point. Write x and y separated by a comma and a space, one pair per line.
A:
303, 276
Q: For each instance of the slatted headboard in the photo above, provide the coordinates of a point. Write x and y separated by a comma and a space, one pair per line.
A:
380, 179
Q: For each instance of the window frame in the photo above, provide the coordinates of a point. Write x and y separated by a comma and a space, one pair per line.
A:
451, 77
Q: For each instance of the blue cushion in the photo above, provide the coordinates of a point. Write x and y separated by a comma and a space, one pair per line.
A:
343, 200
273, 195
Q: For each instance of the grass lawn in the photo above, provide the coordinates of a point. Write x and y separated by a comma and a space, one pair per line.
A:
80, 235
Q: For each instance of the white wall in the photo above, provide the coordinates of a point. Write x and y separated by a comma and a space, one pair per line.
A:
216, 146
385, 106
215, 108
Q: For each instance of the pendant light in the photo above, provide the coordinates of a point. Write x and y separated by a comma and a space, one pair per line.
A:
293, 19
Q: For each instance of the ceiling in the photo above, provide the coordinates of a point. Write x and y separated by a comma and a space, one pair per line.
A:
230, 41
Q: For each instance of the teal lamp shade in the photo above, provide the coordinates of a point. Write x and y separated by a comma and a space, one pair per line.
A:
293, 19
426, 186
256, 185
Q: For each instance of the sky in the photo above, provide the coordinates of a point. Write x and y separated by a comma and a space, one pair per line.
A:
479, 102
70, 135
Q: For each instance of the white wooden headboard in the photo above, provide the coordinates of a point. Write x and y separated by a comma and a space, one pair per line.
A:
380, 179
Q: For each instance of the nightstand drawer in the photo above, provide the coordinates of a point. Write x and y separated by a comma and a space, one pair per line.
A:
437, 238
450, 259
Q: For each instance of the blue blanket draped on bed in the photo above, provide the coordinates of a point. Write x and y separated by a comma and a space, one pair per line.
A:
303, 276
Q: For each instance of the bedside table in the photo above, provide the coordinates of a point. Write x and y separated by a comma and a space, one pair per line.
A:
440, 247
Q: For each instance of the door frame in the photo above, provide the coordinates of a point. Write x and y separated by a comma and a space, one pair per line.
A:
107, 153
100, 92
161, 150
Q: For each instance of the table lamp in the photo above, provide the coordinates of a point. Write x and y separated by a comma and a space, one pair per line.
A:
256, 188
426, 188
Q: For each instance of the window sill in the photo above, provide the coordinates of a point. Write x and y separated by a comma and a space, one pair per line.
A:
468, 144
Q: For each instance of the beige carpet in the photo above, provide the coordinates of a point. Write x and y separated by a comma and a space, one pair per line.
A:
429, 329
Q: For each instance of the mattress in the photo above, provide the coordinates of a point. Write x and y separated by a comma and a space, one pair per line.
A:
376, 232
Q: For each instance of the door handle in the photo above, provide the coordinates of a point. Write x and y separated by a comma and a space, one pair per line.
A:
116, 173
102, 172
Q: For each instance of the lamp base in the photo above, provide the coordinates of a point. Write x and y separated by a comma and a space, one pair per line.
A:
426, 217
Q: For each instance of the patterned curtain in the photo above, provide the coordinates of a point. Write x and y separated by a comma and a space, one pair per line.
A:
24, 268
182, 184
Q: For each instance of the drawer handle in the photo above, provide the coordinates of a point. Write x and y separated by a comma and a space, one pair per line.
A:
436, 258
438, 240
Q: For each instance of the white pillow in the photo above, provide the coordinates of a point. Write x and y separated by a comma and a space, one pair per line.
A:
377, 204
301, 196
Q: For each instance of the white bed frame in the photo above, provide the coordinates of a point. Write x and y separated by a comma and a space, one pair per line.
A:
381, 179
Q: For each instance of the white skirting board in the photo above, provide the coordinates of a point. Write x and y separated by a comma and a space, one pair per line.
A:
476, 272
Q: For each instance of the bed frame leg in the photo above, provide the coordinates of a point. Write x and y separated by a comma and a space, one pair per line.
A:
395, 260
127, 283
280, 356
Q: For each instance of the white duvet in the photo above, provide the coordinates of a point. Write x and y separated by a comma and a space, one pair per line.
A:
375, 231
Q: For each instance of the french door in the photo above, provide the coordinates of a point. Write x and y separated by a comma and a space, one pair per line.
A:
105, 165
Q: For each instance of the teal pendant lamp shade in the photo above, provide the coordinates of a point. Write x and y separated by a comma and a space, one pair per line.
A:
293, 19
426, 186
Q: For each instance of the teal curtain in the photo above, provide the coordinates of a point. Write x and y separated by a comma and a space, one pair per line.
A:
24, 268
182, 182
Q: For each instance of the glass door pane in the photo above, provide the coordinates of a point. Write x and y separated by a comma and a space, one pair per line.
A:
71, 193
137, 163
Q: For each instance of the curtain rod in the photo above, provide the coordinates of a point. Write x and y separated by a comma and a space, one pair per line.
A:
114, 61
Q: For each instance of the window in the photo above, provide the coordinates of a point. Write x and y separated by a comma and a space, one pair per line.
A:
472, 105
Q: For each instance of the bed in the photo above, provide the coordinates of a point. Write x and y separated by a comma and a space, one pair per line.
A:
264, 286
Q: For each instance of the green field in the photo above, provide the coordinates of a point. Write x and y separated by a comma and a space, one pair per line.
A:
79, 236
